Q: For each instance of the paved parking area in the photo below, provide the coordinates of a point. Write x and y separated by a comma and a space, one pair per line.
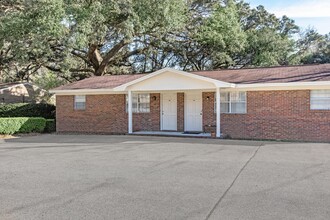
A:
134, 177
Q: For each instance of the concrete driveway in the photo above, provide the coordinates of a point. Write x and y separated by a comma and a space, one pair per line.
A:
134, 177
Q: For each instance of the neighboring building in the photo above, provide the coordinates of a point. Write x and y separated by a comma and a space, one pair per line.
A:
22, 93
286, 103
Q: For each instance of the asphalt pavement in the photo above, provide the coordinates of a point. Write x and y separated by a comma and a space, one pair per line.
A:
140, 177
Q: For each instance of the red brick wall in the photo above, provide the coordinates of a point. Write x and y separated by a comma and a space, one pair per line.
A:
209, 116
180, 111
104, 114
283, 115
148, 121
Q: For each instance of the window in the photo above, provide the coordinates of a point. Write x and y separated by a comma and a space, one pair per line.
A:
140, 104
232, 102
79, 102
320, 100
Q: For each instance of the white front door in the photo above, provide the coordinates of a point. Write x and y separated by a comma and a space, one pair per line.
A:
193, 112
169, 111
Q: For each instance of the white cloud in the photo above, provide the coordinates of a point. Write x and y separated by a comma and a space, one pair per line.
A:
310, 8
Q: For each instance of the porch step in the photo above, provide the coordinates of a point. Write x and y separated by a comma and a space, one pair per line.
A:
192, 132
172, 134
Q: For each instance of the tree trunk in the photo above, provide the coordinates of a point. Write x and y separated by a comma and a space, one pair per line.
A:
101, 70
94, 56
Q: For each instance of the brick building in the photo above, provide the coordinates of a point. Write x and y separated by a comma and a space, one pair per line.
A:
282, 103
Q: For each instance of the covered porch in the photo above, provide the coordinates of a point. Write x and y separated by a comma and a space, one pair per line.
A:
180, 99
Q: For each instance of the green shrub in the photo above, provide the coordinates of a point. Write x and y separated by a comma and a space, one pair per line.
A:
50, 125
21, 125
28, 110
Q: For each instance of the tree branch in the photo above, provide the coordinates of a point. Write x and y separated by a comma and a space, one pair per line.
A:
81, 70
101, 70
94, 56
75, 53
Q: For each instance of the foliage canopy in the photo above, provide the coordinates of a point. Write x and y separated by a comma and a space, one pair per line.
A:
75, 39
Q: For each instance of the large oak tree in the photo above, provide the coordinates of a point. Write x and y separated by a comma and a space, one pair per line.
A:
75, 39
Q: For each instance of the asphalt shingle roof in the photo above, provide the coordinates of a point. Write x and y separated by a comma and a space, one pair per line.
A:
282, 74
101, 82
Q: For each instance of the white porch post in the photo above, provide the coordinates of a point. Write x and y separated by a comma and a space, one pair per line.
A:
218, 111
130, 112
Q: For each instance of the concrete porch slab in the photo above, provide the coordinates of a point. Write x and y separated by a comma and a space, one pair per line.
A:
171, 134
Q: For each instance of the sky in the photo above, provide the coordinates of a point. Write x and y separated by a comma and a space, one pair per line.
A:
306, 13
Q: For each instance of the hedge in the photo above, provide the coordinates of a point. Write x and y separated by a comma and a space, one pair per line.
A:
28, 110
50, 126
22, 125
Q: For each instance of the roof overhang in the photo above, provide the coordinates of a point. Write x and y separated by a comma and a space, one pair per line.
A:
84, 91
167, 77
283, 86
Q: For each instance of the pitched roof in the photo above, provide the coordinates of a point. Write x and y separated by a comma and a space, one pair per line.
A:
281, 74
101, 82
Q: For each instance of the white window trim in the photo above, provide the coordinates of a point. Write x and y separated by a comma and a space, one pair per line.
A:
137, 109
230, 102
79, 99
319, 99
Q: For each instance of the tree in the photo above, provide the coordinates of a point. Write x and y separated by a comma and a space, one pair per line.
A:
210, 35
27, 34
90, 37
232, 34
218, 36
269, 39
75, 39
312, 47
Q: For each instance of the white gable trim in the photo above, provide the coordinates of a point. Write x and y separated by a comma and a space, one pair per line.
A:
217, 83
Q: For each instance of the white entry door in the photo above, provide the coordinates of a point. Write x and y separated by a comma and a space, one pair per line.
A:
169, 111
193, 112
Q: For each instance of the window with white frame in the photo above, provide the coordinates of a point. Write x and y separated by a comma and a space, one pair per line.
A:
320, 99
232, 102
140, 103
79, 102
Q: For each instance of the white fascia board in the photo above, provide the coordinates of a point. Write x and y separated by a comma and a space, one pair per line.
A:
283, 86
84, 92
217, 83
